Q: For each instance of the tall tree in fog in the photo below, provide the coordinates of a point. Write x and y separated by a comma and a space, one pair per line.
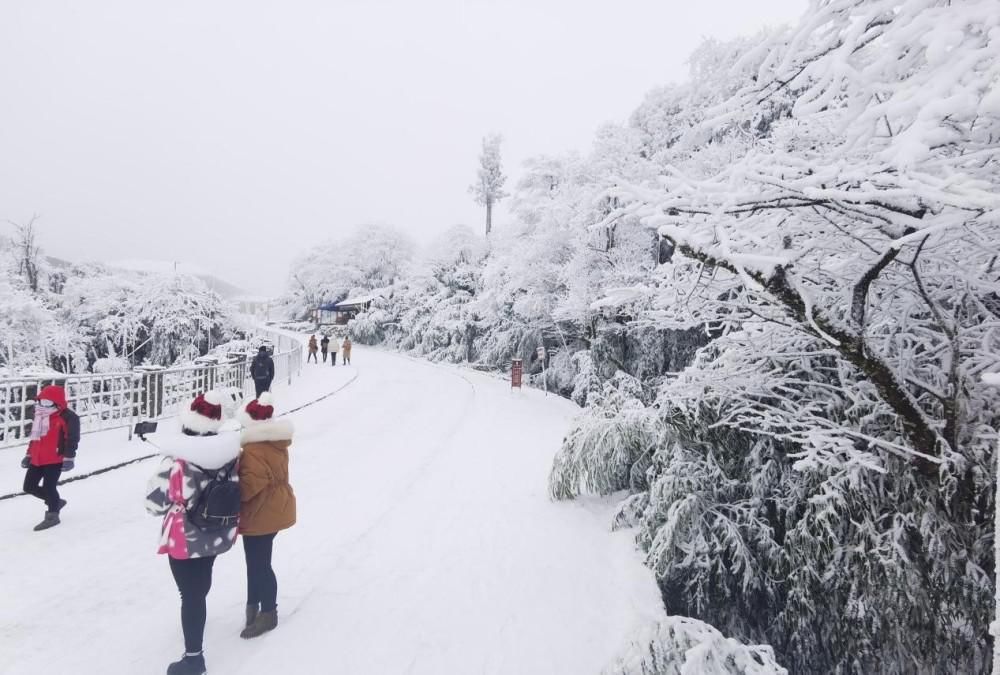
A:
488, 188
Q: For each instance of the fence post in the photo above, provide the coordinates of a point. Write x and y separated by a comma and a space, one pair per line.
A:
151, 391
208, 372
28, 408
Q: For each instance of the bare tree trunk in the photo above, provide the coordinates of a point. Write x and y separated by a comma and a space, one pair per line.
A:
28, 252
489, 216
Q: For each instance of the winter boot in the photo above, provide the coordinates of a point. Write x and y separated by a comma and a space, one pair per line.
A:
265, 621
252, 612
51, 520
190, 664
62, 504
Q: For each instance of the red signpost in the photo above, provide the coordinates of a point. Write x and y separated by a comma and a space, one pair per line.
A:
516, 371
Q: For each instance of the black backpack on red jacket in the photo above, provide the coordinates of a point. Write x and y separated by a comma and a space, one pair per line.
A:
69, 441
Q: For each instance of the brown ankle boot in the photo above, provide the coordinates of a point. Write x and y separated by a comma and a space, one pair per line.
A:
265, 621
252, 612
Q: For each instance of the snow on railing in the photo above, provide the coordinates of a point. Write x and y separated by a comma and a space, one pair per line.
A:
116, 400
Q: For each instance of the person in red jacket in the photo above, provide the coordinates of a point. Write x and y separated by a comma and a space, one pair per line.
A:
55, 435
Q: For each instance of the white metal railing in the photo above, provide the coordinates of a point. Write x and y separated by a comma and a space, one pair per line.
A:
116, 400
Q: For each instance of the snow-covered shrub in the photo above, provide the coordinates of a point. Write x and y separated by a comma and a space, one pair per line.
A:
563, 371
683, 646
586, 380
631, 511
368, 328
610, 444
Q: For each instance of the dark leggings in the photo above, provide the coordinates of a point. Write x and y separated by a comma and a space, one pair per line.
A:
194, 580
42, 482
262, 585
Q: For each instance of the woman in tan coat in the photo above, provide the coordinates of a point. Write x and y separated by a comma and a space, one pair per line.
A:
268, 506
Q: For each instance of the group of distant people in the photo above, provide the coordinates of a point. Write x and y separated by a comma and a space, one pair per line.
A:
329, 347
217, 479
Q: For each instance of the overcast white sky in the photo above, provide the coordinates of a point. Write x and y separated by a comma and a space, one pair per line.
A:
233, 134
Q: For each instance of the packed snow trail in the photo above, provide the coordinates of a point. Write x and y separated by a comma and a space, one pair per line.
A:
426, 544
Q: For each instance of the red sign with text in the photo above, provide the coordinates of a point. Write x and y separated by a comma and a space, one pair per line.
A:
516, 371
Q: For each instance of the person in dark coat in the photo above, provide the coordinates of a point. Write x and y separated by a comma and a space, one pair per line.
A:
262, 371
324, 346
55, 435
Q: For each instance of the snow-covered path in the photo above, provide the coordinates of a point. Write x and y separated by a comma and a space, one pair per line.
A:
426, 544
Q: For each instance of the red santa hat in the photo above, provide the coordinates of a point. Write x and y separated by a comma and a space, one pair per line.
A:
259, 410
204, 415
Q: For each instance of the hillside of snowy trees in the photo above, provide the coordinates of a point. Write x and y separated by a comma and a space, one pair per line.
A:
72, 318
775, 292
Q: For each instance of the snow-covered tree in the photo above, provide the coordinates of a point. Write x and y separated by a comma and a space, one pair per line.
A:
28, 252
490, 179
430, 312
373, 257
832, 223
776, 290
80, 314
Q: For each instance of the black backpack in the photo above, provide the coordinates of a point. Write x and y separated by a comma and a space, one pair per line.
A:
70, 441
218, 505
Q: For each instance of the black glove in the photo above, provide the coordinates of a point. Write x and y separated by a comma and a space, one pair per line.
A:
25, 461
68, 464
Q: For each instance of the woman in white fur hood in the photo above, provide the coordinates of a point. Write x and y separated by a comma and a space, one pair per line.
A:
268, 507
197, 525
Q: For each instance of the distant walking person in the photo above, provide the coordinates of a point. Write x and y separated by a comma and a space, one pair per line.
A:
196, 490
334, 348
268, 506
324, 346
313, 348
262, 371
346, 349
55, 435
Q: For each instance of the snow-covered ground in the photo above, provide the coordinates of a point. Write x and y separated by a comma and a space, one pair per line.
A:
426, 544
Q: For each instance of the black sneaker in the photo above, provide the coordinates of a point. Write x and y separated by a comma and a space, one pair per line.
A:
188, 665
51, 520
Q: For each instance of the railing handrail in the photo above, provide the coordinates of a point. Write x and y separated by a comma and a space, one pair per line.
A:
115, 400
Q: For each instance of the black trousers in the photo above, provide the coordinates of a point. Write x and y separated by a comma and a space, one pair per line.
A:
312, 355
261, 386
333, 358
262, 585
194, 580
42, 482
324, 355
